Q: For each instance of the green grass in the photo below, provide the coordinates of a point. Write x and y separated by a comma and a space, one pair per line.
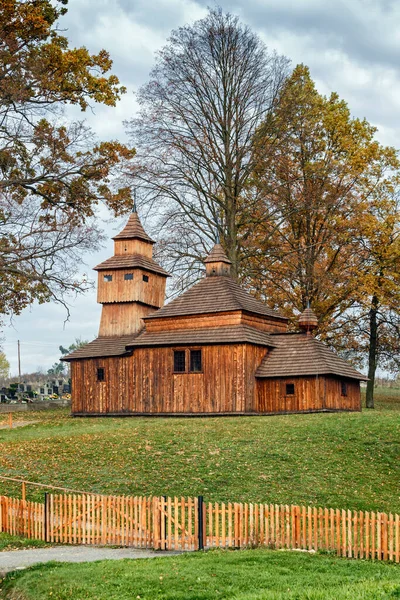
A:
16, 542
344, 460
243, 575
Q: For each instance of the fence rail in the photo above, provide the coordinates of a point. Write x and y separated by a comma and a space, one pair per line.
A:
189, 524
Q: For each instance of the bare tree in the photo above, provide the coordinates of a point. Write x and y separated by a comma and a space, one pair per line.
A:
41, 253
212, 85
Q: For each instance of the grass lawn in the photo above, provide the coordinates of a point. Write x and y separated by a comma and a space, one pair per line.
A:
16, 542
344, 460
241, 575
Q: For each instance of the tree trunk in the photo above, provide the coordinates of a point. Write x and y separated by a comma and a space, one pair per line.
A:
373, 346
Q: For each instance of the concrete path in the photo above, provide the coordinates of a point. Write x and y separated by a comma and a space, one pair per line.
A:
16, 424
21, 559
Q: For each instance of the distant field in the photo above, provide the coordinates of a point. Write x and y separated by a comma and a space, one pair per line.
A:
242, 575
348, 460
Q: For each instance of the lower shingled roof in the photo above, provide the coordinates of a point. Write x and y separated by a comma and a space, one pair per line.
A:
118, 346
209, 335
301, 354
102, 346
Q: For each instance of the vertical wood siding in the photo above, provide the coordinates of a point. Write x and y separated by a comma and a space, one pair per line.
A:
132, 290
123, 319
311, 393
145, 382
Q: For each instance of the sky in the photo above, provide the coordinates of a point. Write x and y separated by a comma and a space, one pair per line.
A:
351, 47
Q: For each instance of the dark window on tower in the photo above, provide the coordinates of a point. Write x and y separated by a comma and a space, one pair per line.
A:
107, 277
179, 361
344, 388
100, 374
289, 389
145, 278
195, 361
128, 276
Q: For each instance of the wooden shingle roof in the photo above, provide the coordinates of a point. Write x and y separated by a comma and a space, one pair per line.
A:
133, 230
131, 261
211, 335
301, 354
213, 295
102, 347
217, 254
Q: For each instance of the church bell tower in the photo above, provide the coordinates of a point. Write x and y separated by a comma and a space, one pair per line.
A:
131, 285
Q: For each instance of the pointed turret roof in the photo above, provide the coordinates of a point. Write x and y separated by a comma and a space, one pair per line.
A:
308, 320
133, 230
217, 254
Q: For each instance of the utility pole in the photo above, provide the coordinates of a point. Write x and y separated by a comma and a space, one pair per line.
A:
19, 361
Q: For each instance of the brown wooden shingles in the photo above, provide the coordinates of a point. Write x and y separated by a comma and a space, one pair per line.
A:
133, 230
118, 346
301, 354
212, 295
131, 261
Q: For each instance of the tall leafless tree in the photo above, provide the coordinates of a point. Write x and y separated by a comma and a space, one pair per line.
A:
212, 85
41, 254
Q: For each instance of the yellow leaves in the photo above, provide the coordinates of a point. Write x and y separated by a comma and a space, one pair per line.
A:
41, 67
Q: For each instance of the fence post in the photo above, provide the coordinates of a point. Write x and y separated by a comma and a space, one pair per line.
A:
165, 524
45, 528
200, 504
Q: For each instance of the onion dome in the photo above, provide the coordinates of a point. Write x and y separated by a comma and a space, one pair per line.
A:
308, 320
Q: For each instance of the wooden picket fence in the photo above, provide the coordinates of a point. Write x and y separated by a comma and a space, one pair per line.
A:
190, 524
20, 517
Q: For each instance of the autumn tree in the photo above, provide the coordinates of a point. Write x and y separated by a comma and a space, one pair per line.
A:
4, 366
371, 329
212, 86
315, 184
52, 173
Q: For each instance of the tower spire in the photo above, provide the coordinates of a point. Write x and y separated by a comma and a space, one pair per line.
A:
217, 263
134, 207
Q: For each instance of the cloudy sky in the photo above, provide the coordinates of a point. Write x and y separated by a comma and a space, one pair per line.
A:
352, 47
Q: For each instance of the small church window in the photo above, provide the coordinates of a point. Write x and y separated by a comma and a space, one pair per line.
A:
289, 389
128, 276
344, 388
195, 361
145, 278
107, 277
179, 361
100, 374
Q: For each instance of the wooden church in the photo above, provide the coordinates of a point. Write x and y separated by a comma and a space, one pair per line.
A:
214, 350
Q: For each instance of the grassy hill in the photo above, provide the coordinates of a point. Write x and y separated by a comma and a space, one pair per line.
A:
244, 575
348, 460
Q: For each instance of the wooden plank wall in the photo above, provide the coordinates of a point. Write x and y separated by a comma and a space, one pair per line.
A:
123, 319
333, 394
220, 319
145, 382
311, 393
120, 290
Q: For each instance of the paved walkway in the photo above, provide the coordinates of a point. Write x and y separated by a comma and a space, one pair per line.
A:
5, 425
21, 559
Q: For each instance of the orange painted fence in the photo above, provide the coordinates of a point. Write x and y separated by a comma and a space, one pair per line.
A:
189, 524
20, 517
